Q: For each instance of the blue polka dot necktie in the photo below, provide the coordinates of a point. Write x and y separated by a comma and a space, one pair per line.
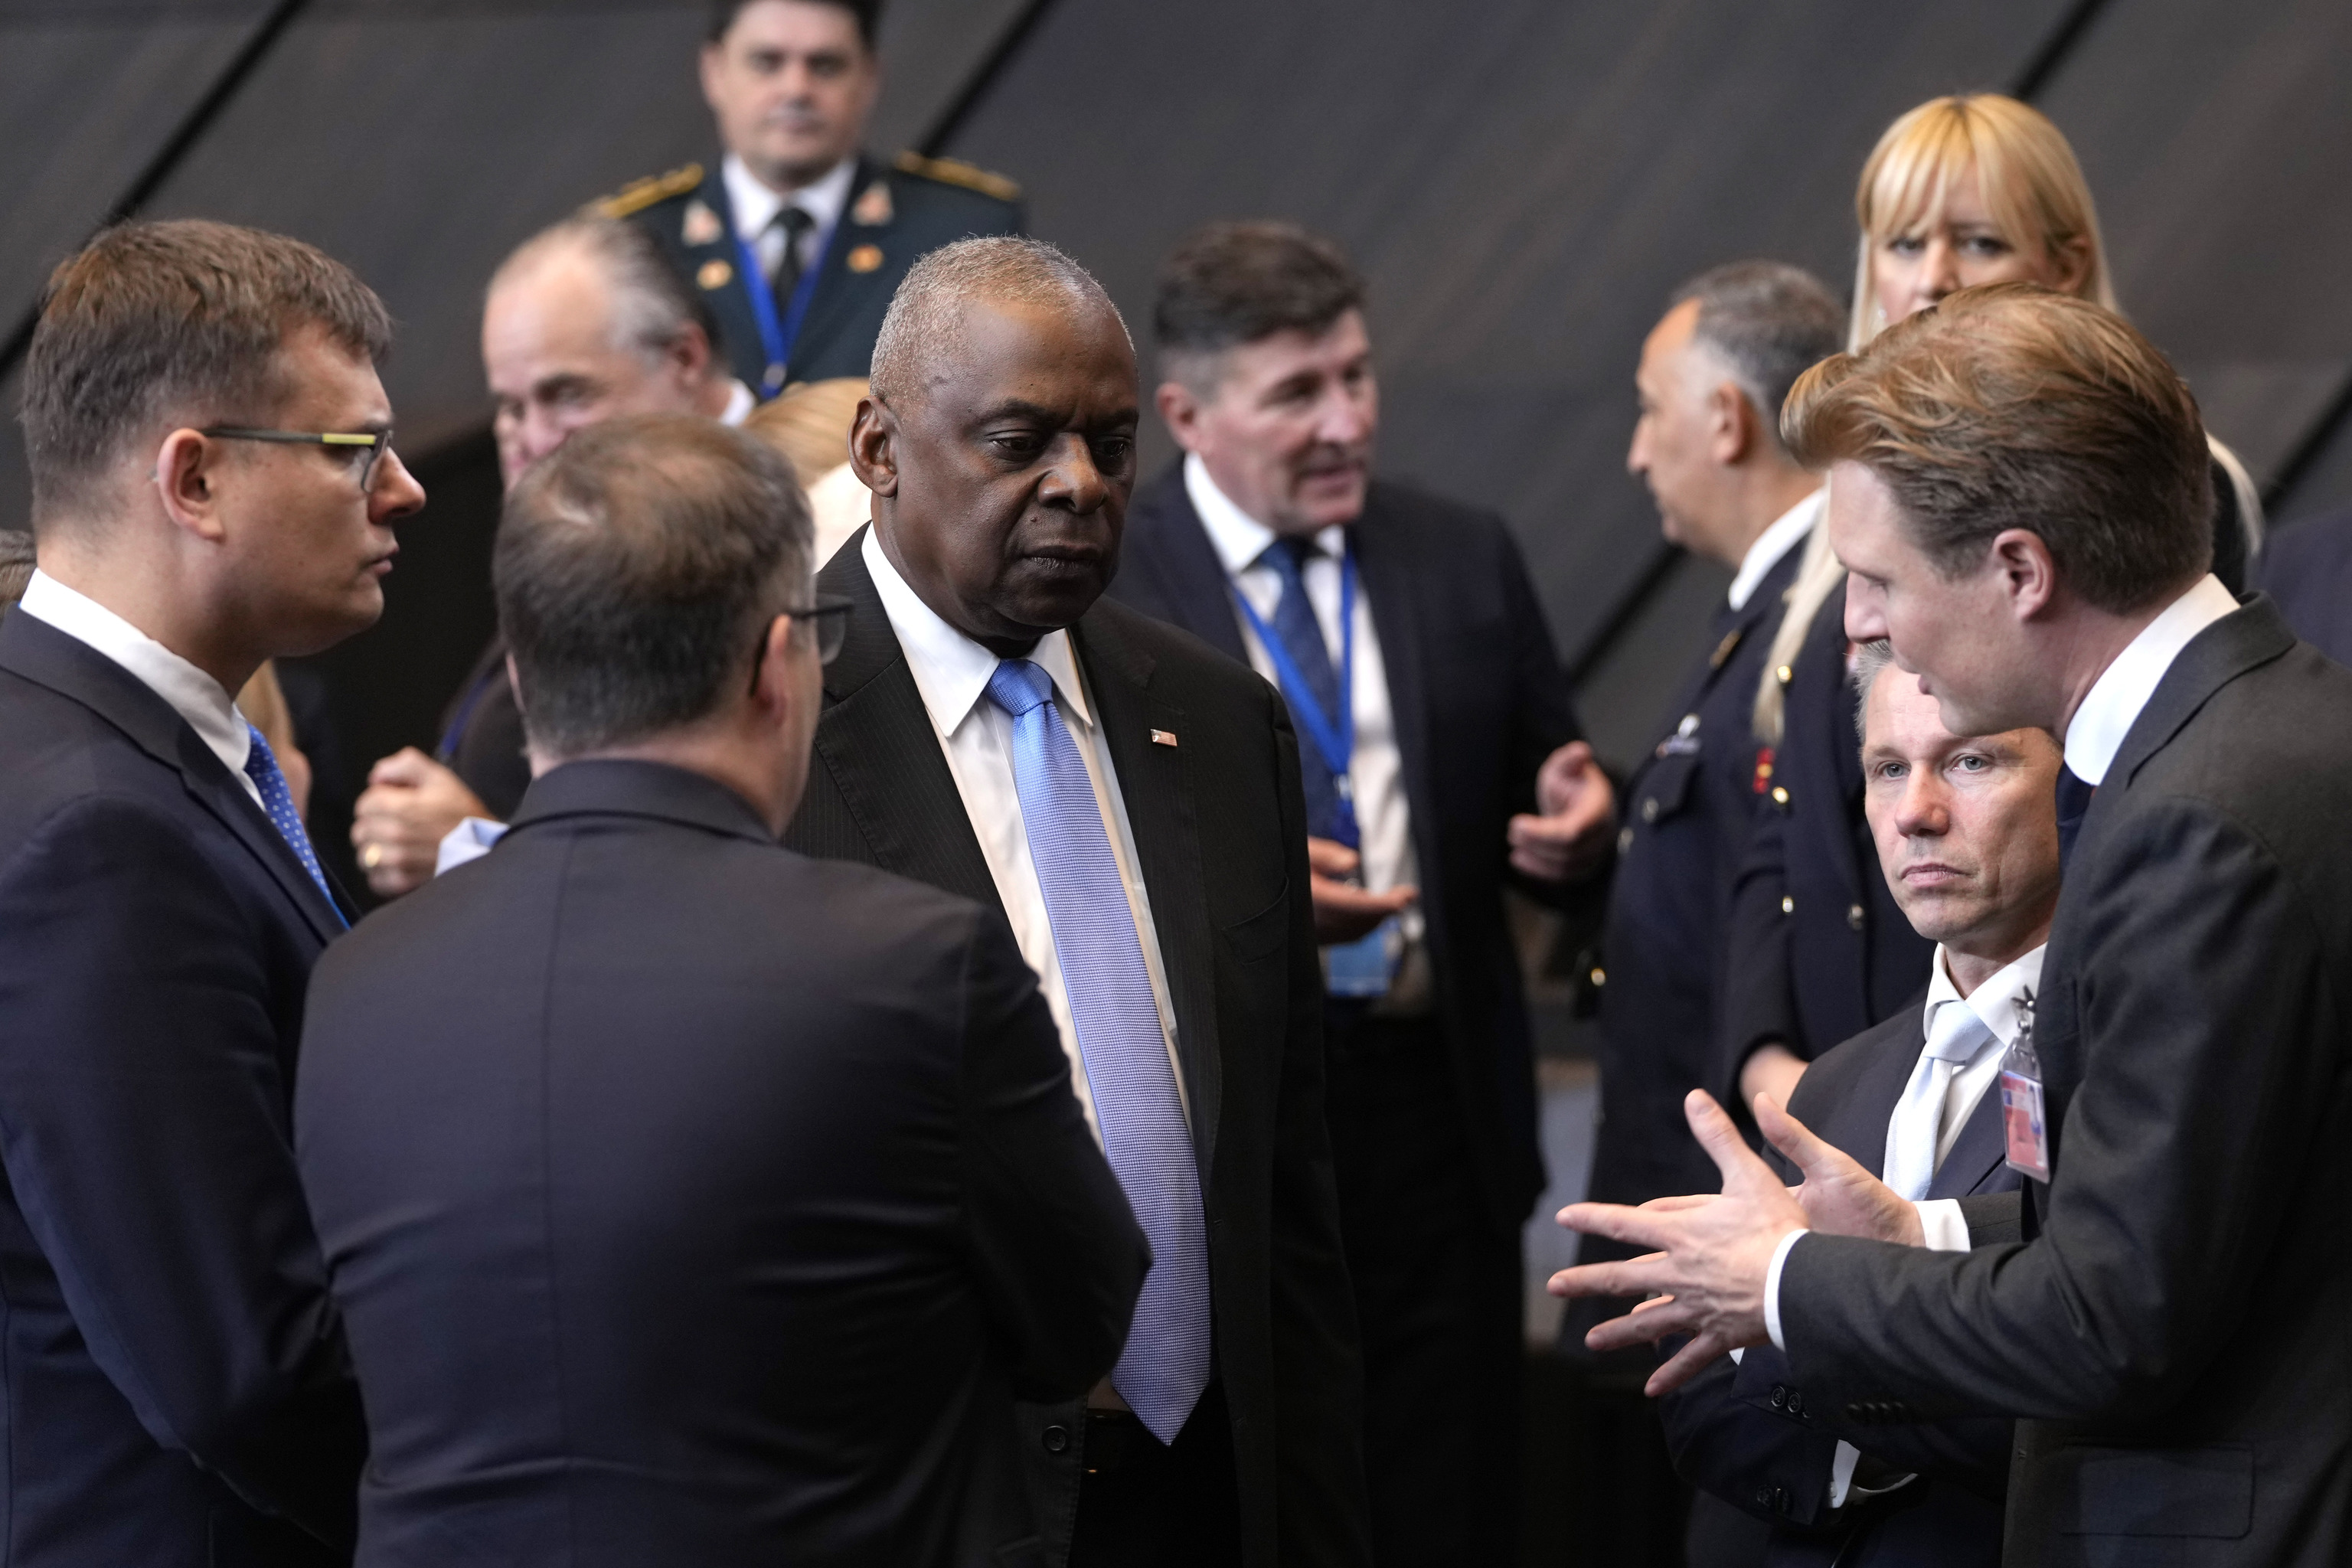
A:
1165, 1365
278, 801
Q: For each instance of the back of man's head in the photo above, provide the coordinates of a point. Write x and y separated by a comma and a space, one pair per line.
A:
156, 326
1233, 283
636, 569
2011, 407
1765, 323
924, 320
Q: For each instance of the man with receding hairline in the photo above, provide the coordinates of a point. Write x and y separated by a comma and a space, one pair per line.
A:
1130, 800
214, 485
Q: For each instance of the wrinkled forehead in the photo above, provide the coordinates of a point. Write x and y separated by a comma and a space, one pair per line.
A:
1068, 352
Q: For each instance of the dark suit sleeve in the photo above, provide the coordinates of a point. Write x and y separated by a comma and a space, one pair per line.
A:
1318, 1378
144, 1122
1758, 1460
1759, 1003
2208, 1028
1058, 1252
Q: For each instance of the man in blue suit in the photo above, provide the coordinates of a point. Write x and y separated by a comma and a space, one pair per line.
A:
212, 486
1967, 837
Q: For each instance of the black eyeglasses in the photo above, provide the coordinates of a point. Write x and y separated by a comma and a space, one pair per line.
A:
376, 442
829, 616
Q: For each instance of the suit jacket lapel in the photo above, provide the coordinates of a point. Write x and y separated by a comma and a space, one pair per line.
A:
1875, 1093
1389, 577
1978, 1156
1154, 783
1188, 568
876, 742
41, 653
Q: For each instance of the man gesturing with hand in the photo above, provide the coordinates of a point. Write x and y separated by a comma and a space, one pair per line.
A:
2020, 494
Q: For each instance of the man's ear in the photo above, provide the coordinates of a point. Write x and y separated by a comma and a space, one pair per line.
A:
691, 352
772, 682
713, 57
187, 480
2028, 576
1180, 410
873, 446
1731, 425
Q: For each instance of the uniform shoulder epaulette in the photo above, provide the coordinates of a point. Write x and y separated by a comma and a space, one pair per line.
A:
638, 195
956, 171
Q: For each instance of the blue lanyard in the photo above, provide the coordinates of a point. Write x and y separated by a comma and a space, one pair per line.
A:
1334, 735
778, 337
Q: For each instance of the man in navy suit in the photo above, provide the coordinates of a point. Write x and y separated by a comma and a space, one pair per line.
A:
212, 486
1967, 837
1441, 760
690, 1201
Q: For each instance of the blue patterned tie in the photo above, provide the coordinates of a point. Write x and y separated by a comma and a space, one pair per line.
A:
1165, 1365
1302, 639
261, 767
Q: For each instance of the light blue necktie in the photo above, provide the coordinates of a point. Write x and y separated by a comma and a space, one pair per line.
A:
1916, 1128
1165, 1365
278, 801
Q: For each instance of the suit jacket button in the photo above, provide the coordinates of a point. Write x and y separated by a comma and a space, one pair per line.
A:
1788, 906
1763, 1497
1057, 1439
1625, 839
1854, 916
1650, 809
1779, 1396
1796, 1402
1780, 794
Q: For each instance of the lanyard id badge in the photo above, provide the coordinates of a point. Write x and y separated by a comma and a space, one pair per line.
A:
2024, 1127
778, 335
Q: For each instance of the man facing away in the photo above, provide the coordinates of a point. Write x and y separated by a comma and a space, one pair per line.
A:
2020, 494
1130, 800
798, 239
212, 486
691, 1201
1440, 762
583, 322
1966, 836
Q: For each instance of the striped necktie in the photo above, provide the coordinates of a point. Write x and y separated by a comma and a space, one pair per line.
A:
1165, 1365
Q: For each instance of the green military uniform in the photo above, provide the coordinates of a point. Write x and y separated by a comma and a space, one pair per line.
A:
894, 215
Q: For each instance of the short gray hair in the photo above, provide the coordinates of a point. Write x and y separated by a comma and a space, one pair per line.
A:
1769, 323
1871, 660
652, 305
1010, 269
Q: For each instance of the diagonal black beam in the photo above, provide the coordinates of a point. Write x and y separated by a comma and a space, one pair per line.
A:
169, 155
2315, 440
942, 134
2055, 49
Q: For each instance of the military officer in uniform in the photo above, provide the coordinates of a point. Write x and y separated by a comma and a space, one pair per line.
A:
797, 241
1711, 381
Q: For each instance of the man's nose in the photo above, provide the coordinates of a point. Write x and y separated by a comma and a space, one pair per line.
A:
1864, 621
1074, 483
1922, 812
395, 493
1637, 455
1344, 419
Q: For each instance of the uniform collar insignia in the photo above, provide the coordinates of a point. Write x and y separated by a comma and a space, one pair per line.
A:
873, 208
701, 226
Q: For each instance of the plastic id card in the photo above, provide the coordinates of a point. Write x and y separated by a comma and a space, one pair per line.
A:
1360, 968
2025, 1126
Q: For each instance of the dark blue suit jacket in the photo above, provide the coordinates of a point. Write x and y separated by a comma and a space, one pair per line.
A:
692, 1202
1747, 1434
2306, 567
1479, 701
1688, 810
1817, 950
176, 1390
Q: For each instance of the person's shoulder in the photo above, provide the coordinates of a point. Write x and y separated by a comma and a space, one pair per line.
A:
647, 199
947, 192
2303, 556
1174, 653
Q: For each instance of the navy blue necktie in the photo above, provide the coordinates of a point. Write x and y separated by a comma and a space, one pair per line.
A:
1165, 1365
2074, 802
1302, 639
278, 801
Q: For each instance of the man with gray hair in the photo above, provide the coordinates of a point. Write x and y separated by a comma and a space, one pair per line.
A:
1130, 800
770, 1166
583, 322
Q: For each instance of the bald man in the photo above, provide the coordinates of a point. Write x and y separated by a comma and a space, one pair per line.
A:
1130, 800
584, 321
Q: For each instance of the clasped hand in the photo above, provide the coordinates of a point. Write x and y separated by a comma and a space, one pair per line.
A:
1705, 1277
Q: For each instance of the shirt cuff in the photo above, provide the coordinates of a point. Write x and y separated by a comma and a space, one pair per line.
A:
1945, 1226
1773, 1290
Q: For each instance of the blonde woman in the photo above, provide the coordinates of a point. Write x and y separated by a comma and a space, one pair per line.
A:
1958, 192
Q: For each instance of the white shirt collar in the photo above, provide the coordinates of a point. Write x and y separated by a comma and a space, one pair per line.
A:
739, 404
755, 205
1238, 538
952, 670
1787, 531
2113, 704
194, 695
1994, 1002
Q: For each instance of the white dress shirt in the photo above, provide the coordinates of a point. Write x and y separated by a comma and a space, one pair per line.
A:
197, 696
756, 207
1376, 770
1787, 531
951, 673
2094, 735
739, 404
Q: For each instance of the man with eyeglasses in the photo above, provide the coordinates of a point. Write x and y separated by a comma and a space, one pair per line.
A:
789, 1146
212, 486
